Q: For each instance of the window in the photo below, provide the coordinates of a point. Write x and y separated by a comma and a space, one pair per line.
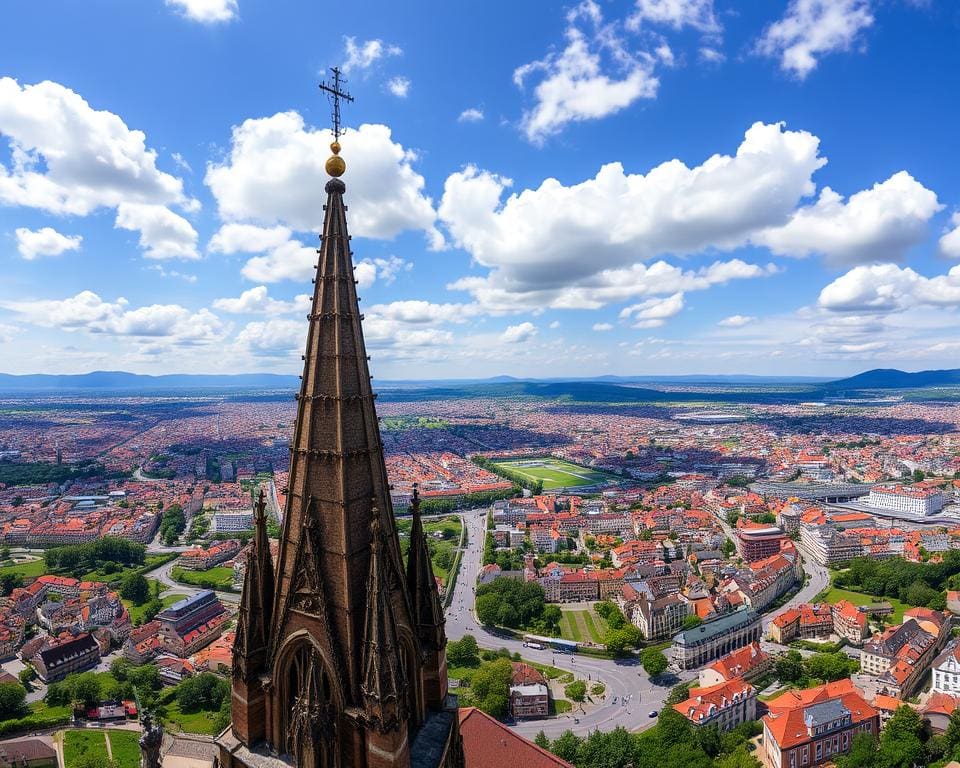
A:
819, 751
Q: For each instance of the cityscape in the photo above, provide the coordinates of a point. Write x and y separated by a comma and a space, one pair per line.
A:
419, 385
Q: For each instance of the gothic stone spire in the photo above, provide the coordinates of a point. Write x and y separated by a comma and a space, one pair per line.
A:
253, 631
424, 596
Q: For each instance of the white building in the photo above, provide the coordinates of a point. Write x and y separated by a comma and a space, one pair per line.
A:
233, 521
911, 500
946, 670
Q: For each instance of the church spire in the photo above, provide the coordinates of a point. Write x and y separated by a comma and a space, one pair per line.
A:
253, 629
424, 596
383, 675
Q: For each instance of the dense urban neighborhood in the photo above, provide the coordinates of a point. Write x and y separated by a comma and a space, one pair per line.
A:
777, 581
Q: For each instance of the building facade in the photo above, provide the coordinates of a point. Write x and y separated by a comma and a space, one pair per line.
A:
695, 647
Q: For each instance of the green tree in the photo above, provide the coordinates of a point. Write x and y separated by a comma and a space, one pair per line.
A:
692, 621
829, 666
566, 746
10, 582
541, 740
464, 652
679, 692
13, 697
901, 744
490, 686
741, 757
577, 690
135, 588
654, 662
789, 667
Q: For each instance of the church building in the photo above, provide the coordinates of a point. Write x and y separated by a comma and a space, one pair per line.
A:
339, 660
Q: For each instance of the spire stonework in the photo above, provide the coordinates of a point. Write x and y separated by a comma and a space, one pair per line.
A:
343, 674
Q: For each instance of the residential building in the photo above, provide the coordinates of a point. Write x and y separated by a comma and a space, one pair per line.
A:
813, 726
488, 743
660, 617
911, 500
757, 541
191, 623
65, 658
946, 670
27, 753
723, 706
849, 621
749, 663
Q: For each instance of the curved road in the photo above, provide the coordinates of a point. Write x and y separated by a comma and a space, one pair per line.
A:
625, 680
630, 696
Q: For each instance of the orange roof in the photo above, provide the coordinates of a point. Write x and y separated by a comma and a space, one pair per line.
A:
488, 743
703, 703
889, 703
786, 719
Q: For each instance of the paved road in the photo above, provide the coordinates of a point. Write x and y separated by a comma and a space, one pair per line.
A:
625, 680
171, 587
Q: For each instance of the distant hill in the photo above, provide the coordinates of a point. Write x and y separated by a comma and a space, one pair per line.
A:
121, 380
891, 378
581, 388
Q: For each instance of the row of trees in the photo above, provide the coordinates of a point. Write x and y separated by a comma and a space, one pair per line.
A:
818, 668
671, 742
904, 743
911, 583
479, 499
172, 524
518, 605
620, 634
78, 559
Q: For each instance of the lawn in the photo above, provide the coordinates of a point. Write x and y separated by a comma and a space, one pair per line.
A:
125, 747
189, 722
218, 577
835, 594
570, 627
582, 625
554, 473
80, 744
137, 611
149, 563
28, 570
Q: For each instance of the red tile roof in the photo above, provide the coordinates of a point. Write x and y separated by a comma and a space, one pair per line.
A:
488, 743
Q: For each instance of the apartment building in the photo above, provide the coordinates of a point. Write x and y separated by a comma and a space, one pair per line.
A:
813, 726
911, 500
748, 663
723, 706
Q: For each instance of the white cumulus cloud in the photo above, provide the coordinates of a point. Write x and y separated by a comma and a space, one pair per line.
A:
399, 86
812, 28
87, 311
274, 174
471, 115
697, 14
163, 234
535, 242
258, 301
950, 242
595, 75
877, 224
602, 327
362, 56
45, 241
736, 321
514, 334
653, 313
68, 158
885, 288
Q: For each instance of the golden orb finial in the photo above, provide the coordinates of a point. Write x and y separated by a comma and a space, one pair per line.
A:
335, 164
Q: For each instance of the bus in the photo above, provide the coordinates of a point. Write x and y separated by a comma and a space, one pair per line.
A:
557, 644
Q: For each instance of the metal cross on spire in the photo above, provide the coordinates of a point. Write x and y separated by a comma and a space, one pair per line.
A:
334, 94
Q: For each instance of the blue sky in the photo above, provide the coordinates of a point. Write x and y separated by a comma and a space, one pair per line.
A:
545, 189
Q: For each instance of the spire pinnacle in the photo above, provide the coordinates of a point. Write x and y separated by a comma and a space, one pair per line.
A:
335, 164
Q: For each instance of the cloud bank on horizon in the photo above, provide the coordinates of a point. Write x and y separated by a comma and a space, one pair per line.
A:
646, 186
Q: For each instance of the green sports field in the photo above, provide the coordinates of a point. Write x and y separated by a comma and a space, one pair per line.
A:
555, 473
